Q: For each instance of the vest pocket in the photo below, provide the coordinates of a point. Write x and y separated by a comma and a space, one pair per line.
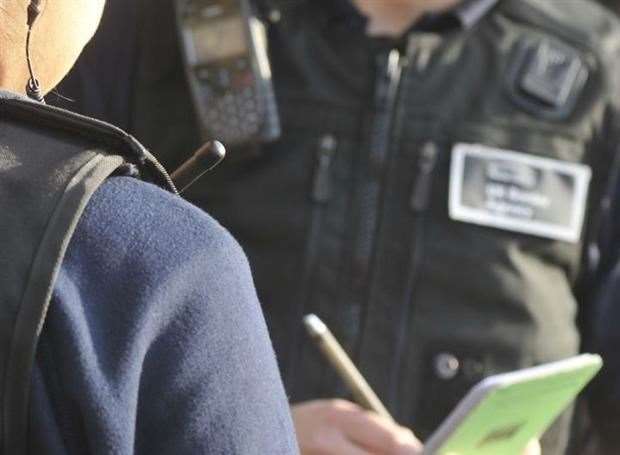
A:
449, 371
486, 299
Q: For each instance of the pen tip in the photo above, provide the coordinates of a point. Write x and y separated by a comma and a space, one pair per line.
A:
314, 325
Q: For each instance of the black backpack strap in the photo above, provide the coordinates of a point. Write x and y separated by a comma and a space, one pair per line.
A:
52, 162
102, 133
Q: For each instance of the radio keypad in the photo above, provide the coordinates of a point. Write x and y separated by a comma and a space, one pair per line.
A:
230, 100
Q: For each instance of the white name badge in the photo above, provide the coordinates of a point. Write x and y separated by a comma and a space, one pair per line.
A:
518, 192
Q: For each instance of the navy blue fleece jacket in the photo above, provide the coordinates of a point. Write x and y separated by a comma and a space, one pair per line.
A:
155, 342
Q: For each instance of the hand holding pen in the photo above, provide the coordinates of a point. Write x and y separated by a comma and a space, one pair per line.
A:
339, 427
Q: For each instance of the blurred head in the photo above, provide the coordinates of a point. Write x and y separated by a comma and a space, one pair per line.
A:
427, 5
430, 4
393, 17
59, 34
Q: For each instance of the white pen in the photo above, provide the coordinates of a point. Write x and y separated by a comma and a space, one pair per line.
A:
335, 354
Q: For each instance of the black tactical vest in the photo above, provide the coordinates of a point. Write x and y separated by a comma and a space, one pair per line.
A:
51, 163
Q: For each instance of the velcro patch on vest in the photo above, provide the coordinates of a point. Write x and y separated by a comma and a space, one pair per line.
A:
518, 192
546, 78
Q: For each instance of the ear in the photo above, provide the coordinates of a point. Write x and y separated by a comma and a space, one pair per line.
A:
59, 34
14, 19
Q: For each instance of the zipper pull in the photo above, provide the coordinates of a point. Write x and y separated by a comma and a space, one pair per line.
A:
427, 162
321, 186
388, 75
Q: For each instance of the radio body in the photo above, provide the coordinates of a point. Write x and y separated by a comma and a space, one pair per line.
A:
225, 52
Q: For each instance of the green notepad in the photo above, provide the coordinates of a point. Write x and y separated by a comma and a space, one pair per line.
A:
503, 413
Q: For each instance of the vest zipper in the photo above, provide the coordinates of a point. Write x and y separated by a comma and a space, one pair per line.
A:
387, 86
419, 202
385, 101
320, 193
369, 194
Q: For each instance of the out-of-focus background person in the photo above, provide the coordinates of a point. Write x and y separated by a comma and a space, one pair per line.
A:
129, 321
436, 196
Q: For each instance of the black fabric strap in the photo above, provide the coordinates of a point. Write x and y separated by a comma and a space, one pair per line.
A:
90, 129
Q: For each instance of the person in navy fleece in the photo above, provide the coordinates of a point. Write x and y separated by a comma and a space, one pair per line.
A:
154, 341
